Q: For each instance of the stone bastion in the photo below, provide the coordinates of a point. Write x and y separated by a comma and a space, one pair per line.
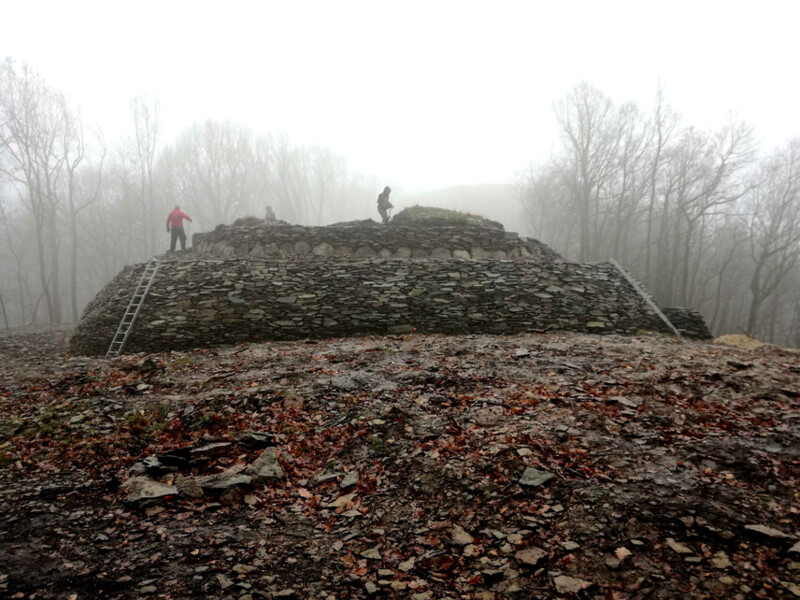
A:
367, 239
283, 282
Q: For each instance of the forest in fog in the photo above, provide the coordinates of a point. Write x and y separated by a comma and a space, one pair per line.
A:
706, 219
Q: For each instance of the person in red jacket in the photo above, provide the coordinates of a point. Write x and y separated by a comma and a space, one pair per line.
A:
175, 223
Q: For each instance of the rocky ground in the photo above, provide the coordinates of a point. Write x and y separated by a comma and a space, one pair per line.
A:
532, 466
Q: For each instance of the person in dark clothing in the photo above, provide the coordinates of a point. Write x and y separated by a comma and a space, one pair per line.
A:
175, 223
384, 206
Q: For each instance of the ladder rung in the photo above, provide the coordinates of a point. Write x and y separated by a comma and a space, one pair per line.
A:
137, 298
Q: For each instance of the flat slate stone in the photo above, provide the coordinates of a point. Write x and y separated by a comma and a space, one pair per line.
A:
570, 585
266, 468
223, 481
534, 477
766, 532
530, 556
144, 488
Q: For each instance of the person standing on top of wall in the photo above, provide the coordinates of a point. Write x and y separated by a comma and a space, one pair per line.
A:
384, 206
175, 223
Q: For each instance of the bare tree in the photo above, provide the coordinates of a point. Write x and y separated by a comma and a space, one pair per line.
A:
32, 132
664, 124
146, 112
212, 167
587, 123
774, 204
82, 192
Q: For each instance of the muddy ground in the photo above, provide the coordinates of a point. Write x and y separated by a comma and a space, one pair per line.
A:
530, 466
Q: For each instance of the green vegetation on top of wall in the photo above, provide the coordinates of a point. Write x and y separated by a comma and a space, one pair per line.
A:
430, 216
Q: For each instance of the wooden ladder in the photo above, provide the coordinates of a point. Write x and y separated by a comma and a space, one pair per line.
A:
125, 326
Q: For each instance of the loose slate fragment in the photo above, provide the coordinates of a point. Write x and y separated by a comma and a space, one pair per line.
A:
570, 585
223, 481
461, 537
407, 565
530, 556
144, 488
534, 477
763, 531
372, 553
678, 547
266, 468
349, 480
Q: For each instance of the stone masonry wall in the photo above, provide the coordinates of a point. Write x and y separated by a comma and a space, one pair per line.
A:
688, 322
205, 300
370, 240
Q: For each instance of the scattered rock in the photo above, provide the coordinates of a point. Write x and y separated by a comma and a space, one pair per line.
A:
254, 439
341, 501
570, 546
372, 554
570, 585
266, 468
720, 560
764, 532
678, 547
211, 449
792, 588
460, 537
188, 487
243, 569
470, 551
144, 488
530, 556
407, 565
223, 481
349, 480
534, 477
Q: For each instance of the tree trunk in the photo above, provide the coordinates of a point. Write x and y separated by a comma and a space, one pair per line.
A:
755, 303
3, 308
73, 268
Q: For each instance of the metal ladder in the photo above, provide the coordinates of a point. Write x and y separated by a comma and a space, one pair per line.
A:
635, 285
125, 326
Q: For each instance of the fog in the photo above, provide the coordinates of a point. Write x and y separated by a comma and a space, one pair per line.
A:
663, 139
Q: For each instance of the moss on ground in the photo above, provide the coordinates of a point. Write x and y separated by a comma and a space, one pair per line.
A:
430, 216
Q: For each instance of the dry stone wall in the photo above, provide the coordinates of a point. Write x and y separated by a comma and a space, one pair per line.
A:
205, 300
688, 322
370, 240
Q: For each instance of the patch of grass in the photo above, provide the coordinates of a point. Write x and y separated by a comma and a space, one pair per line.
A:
208, 421
378, 445
146, 421
182, 362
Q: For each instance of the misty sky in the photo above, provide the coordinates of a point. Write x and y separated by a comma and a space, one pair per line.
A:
423, 94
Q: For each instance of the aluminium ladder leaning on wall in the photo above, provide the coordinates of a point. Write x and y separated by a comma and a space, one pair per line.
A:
139, 294
646, 298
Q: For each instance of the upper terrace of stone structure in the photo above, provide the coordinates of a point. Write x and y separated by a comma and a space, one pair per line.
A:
367, 239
